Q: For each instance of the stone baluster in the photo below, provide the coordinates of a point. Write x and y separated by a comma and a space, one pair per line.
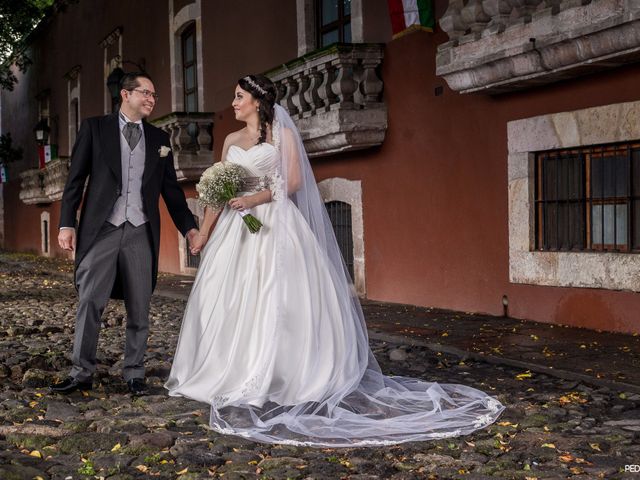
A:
524, 9
312, 94
183, 138
371, 85
287, 100
344, 85
302, 84
325, 92
499, 11
452, 22
204, 138
474, 15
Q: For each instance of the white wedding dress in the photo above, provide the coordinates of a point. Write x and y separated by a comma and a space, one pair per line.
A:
273, 336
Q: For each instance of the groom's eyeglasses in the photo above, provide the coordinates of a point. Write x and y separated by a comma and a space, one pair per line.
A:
146, 93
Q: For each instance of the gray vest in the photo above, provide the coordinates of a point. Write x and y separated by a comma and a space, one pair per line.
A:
129, 207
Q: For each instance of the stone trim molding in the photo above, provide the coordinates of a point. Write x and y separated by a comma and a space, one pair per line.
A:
178, 22
45, 247
500, 46
592, 126
350, 191
198, 210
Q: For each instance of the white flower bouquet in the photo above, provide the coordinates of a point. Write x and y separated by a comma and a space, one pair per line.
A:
220, 183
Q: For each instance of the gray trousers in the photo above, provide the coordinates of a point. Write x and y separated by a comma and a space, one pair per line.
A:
126, 249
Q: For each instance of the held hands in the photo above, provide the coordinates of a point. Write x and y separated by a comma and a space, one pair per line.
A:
196, 240
67, 239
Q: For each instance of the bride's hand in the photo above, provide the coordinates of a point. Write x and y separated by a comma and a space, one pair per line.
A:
197, 242
241, 203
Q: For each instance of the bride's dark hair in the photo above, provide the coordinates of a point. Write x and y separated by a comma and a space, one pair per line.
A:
263, 89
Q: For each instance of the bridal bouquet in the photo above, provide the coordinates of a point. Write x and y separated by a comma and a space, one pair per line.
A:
219, 184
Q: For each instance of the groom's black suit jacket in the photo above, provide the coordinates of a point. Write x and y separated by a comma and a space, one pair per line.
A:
96, 155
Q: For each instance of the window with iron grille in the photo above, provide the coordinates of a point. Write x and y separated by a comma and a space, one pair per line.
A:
333, 21
588, 199
340, 216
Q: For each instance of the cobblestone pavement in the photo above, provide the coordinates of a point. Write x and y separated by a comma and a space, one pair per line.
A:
552, 428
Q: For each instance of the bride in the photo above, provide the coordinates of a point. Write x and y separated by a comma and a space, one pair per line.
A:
273, 336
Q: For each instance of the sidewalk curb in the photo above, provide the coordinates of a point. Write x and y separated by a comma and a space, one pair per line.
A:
495, 360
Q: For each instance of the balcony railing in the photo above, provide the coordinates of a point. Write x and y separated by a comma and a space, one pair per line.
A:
504, 45
191, 137
43, 186
335, 97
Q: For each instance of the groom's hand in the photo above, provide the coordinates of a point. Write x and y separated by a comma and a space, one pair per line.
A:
193, 237
67, 239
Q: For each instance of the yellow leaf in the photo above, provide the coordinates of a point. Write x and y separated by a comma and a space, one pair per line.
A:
507, 424
445, 334
38, 477
39, 395
142, 468
183, 471
583, 346
566, 458
116, 447
548, 445
576, 470
85, 393
36, 453
622, 396
522, 376
595, 446
534, 337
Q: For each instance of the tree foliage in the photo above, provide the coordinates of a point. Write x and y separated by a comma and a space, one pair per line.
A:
18, 18
8, 154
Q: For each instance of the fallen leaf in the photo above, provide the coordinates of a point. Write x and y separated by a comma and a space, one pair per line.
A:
566, 458
548, 445
183, 471
116, 447
595, 446
522, 376
36, 453
142, 468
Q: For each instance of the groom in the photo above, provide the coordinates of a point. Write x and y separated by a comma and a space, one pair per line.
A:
129, 165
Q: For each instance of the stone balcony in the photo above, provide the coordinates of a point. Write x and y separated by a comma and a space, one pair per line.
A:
44, 186
505, 45
191, 142
335, 97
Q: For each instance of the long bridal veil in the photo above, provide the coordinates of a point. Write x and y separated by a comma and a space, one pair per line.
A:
361, 406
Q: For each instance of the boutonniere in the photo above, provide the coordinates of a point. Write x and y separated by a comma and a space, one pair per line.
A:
164, 151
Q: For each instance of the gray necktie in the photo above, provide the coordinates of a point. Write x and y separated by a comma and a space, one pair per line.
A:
132, 134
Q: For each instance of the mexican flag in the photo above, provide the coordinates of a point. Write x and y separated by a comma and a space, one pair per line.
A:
409, 15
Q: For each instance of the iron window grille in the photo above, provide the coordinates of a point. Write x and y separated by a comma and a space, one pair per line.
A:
340, 216
588, 199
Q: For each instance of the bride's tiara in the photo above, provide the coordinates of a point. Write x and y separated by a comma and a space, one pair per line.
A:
255, 85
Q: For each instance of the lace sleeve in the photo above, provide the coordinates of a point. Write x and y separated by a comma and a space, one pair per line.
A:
276, 182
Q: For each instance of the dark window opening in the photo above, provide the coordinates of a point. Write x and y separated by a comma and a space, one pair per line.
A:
340, 216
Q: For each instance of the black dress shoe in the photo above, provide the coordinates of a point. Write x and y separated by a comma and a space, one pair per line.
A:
137, 386
69, 385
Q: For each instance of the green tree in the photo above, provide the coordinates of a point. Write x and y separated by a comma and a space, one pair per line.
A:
18, 18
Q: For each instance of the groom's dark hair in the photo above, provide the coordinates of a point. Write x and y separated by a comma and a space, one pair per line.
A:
129, 80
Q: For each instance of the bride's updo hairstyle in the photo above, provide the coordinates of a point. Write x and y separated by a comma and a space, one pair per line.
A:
263, 89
